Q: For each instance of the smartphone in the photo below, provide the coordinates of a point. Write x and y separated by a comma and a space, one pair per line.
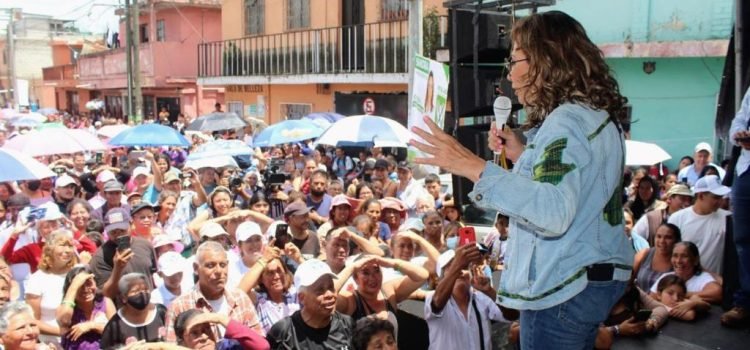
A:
137, 154
98, 158
123, 243
466, 235
642, 315
282, 236
36, 214
187, 174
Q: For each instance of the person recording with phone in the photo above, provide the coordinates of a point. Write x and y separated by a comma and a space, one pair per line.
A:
567, 254
121, 254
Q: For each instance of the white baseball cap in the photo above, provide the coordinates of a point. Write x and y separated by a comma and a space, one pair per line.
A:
246, 230
443, 260
171, 263
65, 180
711, 183
704, 146
140, 171
311, 271
162, 240
105, 176
212, 229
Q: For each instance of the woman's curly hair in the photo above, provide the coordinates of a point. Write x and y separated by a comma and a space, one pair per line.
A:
564, 66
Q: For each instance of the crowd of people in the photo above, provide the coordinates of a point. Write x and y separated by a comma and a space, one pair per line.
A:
314, 248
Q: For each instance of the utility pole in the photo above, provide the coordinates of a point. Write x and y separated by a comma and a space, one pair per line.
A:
12, 58
129, 58
136, 63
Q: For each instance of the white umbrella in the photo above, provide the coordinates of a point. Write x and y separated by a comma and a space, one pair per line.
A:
644, 153
214, 162
17, 166
365, 131
55, 141
110, 131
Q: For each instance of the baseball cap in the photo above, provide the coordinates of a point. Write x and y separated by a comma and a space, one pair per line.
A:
405, 165
296, 208
679, 189
393, 203
443, 260
212, 229
113, 186
703, 146
162, 240
170, 263
51, 212
116, 219
65, 180
171, 176
105, 176
382, 163
310, 271
246, 230
340, 200
711, 183
140, 171
144, 205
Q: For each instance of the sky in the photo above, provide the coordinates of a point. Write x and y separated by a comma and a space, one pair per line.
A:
93, 16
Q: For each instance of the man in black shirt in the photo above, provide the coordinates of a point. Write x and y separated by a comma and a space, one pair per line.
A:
317, 325
297, 215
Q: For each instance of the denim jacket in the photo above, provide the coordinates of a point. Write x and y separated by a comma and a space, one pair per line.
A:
564, 200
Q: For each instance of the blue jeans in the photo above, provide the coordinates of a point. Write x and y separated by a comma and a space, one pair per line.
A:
741, 217
573, 324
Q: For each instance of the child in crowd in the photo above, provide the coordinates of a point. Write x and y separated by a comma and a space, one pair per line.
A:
671, 292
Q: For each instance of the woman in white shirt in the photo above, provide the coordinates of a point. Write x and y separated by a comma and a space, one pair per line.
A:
44, 290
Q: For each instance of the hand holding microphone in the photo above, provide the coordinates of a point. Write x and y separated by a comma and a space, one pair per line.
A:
502, 109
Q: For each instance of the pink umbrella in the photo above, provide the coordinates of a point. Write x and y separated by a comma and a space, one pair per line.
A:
55, 141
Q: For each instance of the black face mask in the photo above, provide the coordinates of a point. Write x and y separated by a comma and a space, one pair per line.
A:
33, 185
139, 301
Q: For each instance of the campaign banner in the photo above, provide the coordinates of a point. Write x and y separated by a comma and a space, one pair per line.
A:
429, 96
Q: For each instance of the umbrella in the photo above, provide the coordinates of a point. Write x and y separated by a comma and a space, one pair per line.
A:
110, 131
48, 111
217, 121
644, 153
324, 119
213, 162
18, 166
221, 148
25, 121
31, 115
147, 135
7, 113
50, 126
366, 131
55, 141
288, 131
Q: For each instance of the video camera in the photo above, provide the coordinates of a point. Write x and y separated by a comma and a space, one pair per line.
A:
274, 175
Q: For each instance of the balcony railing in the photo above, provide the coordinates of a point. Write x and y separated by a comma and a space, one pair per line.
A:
368, 48
61, 72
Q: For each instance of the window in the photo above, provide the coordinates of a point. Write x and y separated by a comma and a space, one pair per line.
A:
254, 15
298, 14
144, 33
394, 10
161, 35
295, 110
235, 107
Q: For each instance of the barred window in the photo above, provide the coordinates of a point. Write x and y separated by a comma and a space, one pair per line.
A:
236, 107
391, 10
295, 110
255, 13
161, 34
298, 14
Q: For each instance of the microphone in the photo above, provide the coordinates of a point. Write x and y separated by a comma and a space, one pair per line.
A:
502, 109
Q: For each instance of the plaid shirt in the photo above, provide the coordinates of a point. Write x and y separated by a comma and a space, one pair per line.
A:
241, 309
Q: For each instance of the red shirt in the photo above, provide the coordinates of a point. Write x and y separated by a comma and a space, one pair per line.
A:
32, 253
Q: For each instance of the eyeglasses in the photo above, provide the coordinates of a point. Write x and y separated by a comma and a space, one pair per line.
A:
510, 63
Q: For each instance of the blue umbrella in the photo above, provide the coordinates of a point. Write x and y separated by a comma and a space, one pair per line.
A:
366, 131
19, 166
149, 135
25, 121
221, 148
288, 131
324, 119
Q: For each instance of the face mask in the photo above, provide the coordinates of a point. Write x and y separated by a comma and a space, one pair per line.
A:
140, 300
451, 242
34, 185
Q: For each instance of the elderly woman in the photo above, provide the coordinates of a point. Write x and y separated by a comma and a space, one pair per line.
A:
373, 296
269, 285
44, 290
701, 284
32, 253
83, 312
138, 318
652, 263
18, 328
194, 329
393, 212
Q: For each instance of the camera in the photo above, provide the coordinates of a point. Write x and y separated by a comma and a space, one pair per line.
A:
235, 181
274, 175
